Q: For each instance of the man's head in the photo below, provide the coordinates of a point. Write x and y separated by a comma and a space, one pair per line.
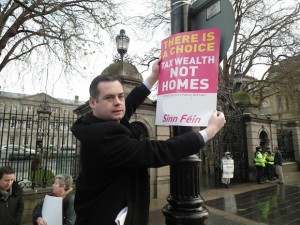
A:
107, 98
227, 154
7, 177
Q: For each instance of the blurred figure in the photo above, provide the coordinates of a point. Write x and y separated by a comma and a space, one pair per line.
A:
259, 162
11, 198
269, 168
227, 167
278, 165
62, 187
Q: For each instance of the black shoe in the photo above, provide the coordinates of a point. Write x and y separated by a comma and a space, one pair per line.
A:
280, 182
260, 182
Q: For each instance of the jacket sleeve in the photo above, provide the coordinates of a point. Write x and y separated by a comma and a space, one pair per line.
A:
20, 208
70, 216
37, 212
110, 145
135, 98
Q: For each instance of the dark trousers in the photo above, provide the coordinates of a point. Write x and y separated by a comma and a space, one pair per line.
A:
259, 174
268, 172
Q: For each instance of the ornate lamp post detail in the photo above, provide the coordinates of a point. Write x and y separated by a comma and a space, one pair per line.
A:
122, 42
238, 80
44, 113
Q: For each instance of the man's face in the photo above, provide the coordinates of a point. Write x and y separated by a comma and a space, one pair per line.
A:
110, 103
6, 181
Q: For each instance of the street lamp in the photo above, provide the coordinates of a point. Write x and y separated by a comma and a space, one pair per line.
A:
238, 80
44, 113
122, 42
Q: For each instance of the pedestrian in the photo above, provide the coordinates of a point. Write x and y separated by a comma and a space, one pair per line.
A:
227, 167
11, 198
62, 187
259, 162
114, 163
269, 165
278, 165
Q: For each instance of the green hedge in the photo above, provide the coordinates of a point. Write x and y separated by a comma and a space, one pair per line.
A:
39, 176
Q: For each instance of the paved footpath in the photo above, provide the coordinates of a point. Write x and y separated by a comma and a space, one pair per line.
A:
247, 204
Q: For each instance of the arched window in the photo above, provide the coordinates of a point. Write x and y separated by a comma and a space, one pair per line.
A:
139, 130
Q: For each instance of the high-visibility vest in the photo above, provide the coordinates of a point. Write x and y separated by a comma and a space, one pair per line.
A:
259, 159
269, 158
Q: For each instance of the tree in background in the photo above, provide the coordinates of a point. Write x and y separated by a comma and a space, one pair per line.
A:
43, 35
266, 32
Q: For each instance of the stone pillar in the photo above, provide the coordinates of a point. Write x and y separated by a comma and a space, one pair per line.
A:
296, 142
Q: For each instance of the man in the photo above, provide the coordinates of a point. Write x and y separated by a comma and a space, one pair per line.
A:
11, 198
278, 165
259, 162
114, 163
269, 171
227, 167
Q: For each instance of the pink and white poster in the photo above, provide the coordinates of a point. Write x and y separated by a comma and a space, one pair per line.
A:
188, 79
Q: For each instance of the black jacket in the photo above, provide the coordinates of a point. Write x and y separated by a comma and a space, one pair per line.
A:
11, 210
114, 166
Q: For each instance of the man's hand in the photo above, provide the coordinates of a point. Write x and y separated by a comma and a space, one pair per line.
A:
215, 123
154, 73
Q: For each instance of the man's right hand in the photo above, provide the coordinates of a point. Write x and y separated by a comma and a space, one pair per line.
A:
215, 123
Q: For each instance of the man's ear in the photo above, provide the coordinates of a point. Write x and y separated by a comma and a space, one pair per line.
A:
92, 102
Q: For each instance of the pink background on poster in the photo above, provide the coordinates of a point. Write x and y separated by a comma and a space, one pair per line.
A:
202, 70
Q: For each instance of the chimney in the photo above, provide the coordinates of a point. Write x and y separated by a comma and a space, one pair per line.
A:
76, 97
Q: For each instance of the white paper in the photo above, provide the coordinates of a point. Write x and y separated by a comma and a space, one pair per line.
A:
52, 210
120, 220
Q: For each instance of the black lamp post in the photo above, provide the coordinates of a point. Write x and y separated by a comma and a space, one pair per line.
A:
122, 42
185, 204
44, 113
238, 80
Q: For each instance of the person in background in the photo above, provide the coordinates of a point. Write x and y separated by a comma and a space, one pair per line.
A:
278, 165
269, 168
259, 162
114, 182
227, 167
62, 187
11, 198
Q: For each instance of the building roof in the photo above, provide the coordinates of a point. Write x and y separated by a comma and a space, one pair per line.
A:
20, 96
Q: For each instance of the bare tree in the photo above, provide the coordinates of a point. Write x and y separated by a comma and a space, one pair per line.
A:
45, 33
266, 32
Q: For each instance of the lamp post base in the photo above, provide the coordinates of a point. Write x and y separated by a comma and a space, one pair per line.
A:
185, 216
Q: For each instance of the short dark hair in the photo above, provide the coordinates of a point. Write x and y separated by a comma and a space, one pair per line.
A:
6, 170
94, 92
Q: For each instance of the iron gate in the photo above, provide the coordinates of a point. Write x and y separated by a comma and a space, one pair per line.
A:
38, 145
231, 138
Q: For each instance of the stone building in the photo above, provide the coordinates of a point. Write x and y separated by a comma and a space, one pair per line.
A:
25, 119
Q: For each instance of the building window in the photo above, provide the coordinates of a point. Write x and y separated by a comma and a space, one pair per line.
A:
14, 107
2, 106
28, 108
11, 140
29, 123
53, 110
66, 112
13, 122
26, 140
